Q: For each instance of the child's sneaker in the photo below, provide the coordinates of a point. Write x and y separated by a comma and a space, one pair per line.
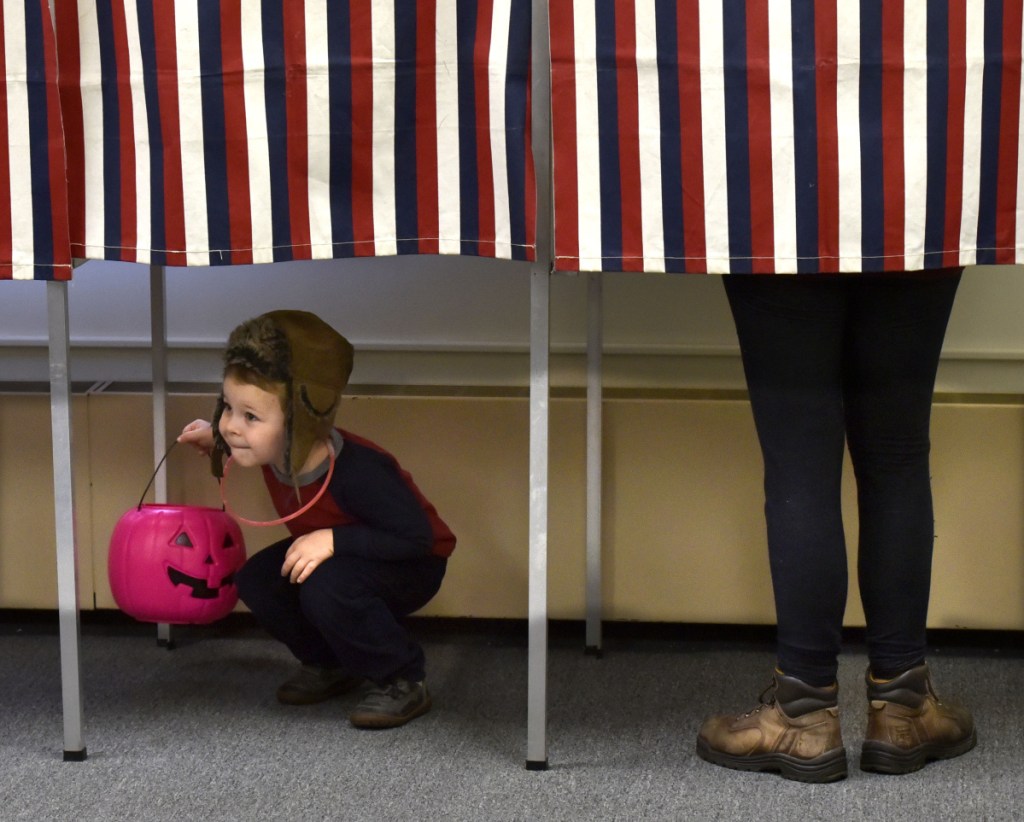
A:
315, 683
391, 704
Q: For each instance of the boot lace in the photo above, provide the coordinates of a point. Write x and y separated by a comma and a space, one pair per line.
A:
766, 699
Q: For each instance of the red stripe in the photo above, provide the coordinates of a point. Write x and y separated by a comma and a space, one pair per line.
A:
362, 128
955, 129
826, 37
893, 169
484, 171
563, 128
691, 136
69, 81
6, 231
239, 205
298, 123
58, 183
629, 136
1009, 136
126, 132
427, 217
759, 106
170, 132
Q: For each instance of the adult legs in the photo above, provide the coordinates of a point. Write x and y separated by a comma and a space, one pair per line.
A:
895, 335
791, 338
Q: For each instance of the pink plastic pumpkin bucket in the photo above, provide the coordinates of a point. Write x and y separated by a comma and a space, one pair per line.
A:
175, 564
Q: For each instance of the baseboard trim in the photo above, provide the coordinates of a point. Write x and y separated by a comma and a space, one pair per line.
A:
561, 632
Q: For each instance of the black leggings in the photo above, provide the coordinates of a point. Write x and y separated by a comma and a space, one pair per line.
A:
832, 360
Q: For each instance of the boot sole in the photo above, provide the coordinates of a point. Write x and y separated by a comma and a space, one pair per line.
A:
829, 767
880, 757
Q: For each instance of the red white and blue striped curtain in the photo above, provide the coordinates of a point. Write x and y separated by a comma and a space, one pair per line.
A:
33, 194
205, 132
780, 136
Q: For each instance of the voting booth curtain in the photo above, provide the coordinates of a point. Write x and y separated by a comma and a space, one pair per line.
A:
730, 136
34, 241
209, 133
784, 136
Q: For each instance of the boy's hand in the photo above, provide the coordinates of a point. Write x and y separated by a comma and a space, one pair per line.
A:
198, 434
307, 553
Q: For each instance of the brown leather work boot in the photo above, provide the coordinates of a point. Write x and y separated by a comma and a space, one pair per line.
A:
908, 725
794, 731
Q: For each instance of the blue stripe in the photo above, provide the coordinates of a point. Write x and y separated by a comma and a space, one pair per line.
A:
39, 144
211, 66
991, 100
516, 78
277, 128
805, 138
737, 141
872, 183
111, 133
608, 139
339, 53
671, 135
938, 114
406, 183
468, 186
147, 45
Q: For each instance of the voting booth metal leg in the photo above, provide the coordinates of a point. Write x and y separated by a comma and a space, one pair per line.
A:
64, 507
594, 419
536, 723
540, 338
158, 326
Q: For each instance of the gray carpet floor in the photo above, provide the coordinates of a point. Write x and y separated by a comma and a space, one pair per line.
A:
196, 734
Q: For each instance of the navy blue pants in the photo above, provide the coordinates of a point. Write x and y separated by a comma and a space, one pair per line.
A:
348, 612
834, 360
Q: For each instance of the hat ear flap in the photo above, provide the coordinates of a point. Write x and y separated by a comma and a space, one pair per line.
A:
312, 417
318, 401
220, 447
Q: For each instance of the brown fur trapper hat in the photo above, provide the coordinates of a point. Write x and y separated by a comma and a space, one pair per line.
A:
309, 358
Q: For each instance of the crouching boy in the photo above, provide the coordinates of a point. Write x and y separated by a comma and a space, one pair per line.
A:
370, 551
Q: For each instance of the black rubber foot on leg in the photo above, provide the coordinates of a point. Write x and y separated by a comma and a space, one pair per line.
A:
166, 643
75, 756
594, 650
536, 765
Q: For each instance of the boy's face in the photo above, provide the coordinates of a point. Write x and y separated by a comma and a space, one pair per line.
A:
252, 423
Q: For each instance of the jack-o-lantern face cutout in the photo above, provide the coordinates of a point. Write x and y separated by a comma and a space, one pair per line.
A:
175, 563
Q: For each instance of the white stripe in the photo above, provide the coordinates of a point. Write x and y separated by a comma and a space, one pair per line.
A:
91, 85
497, 73
915, 132
18, 143
447, 93
780, 55
848, 110
190, 114
318, 129
652, 222
716, 184
972, 138
256, 134
383, 36
1019, 224
140, 127
588, 158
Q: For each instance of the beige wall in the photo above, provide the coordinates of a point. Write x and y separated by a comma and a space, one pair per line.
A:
683, 527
